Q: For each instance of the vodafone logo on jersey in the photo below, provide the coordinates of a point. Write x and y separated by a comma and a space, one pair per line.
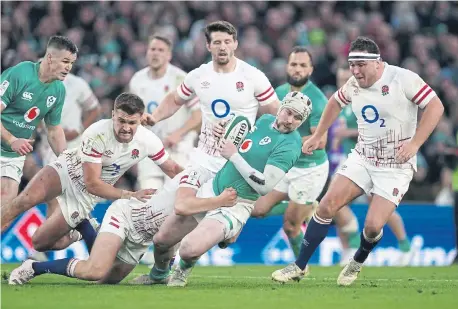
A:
246, 146
31, 114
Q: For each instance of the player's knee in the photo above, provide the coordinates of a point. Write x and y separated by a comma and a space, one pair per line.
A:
328, 207
258, 213
39, 243
188, 251
160, 241
291, 228
372, 228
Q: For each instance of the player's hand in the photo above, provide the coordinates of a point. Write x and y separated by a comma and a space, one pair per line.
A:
172, 139
218, 129
22, 146
228, 197
71, 134
148, 120
227, 149
406, 151
144, 195
310, 145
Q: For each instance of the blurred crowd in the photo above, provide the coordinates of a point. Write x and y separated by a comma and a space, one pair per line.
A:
112, 38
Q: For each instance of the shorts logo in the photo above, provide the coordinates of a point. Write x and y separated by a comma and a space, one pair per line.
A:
135, 154
5, 84
239, 86
246, 146
50, 101
166, 88
266, 140
108, 153
75, 215
385, 90
31, 114
395, 192
191, 179
27, 96
58, 165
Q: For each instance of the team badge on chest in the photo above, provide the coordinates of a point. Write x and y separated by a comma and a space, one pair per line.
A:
385, 90
135, 154
239, 86
50, 101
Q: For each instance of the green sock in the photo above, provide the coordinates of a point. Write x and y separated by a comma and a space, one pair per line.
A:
157, 273
296, 243
354, 240
186, 265
278, 210
404, 245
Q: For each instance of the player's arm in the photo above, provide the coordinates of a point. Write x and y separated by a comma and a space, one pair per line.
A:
265, 94
160, 156
323, 139
193, 123
429, 119
271, 108
95, 185
56, 139
171, 168
187, 203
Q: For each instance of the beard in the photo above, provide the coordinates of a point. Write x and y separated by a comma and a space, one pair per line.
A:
297, 82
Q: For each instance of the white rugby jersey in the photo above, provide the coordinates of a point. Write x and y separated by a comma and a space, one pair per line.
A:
152, 92
99, 145
240, 92
386, 113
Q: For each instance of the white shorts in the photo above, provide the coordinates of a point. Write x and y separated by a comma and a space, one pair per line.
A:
117, 220
304, 185
75, 205
150, 176
389, 183
12, 167
233, 218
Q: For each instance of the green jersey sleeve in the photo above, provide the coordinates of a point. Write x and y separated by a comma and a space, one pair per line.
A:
282, 91
9, 84
285, 155
319, 102
52, 118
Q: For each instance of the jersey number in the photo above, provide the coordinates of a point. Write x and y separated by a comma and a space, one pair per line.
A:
376, 116
220, 108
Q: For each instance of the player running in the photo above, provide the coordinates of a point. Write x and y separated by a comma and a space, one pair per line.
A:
177, 132
305, 181
265, 156
126, 233
385, 100
29, 93
82, 177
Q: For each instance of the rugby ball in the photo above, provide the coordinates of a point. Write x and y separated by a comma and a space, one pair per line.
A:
237, 129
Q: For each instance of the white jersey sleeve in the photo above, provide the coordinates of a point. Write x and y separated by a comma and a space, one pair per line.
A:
186, 88
86, 99
342, 95
263, 90
156, 150
193, 104
93, 145
415, 88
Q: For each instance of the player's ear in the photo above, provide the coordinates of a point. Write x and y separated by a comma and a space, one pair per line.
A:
208, 46
236, 44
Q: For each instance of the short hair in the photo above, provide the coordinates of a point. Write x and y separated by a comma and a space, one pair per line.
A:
129, 103
363, 43
162, 38
220, 26
301, 49
62, 43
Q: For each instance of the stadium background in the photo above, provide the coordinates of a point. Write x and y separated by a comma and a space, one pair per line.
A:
112, 38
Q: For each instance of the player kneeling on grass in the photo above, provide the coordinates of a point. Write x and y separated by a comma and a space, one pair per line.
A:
266, 154
126, 233
82, 177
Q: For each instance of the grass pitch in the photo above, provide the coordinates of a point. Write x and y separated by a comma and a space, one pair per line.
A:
246, 287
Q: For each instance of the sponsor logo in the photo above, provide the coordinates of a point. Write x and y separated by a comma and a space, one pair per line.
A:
50, 101
205, 84
31, 114
27, 96
23, 125
266, 140
246, 146
240, 134
108, 153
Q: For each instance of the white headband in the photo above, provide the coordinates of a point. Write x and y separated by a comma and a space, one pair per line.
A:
363, 56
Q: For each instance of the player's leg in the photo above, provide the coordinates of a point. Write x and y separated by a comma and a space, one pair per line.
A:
390, 185
349, 183
265, 203
293, 219
44, 186
11, 170
118, 272
348, 228
397, 226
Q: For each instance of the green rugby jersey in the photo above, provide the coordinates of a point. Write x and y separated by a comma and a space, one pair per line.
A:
263, 146
319, 101
27, 101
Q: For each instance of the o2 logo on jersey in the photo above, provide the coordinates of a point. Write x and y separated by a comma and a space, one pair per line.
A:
246, 146
31, 114
151, 106
113, 169
371, 115
220, 108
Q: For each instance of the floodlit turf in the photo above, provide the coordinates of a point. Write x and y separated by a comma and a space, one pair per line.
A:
247, 287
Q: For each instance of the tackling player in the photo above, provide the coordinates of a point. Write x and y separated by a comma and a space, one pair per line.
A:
81, 177
29, 93
177, 132
305, 181
385, 100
